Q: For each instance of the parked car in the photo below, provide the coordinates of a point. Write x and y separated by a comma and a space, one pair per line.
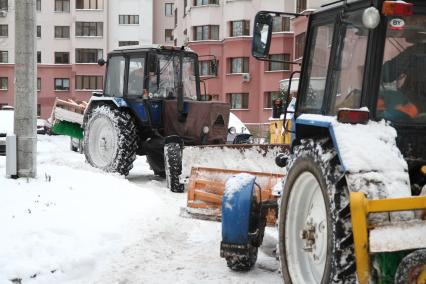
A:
238, 133
43, 126
6, 126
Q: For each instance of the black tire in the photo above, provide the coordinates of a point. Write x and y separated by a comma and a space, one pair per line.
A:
243, 263
310, 157
410, 268
173, 166
242, 139
72, 147
124, 145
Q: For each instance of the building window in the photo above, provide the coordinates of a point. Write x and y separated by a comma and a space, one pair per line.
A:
281, 24
38, 109
38, 56
205, 2
3, 5
3, 83
4, 56
89, 4
88, 55
206, 33
185, 5
278, 66
4, 31
128, 43
240, 28
128, 19
62, 84
62, 6
38, 31
300, 6
89, 28
62, 57
270, 97
83, 82
238, 101
168, 35
169, 9
239, 65
176, 20
38, 84
38, 5
300, 45
62, 32
206, 68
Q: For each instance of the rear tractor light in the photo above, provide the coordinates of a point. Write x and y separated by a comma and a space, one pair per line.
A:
397, 8
353, 116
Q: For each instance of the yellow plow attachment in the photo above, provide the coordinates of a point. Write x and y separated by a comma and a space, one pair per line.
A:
206, 187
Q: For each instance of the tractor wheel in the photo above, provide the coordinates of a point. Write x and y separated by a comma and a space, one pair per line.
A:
412, 269
110, 140
243, 262
173, 166
315, 231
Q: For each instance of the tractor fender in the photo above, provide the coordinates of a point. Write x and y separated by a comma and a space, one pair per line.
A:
101, 100
237, 203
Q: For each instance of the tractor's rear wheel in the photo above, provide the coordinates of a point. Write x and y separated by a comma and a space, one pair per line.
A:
316, 244
412, 269
110, 140
173, 166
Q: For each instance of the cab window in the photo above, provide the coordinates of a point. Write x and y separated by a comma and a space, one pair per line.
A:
136, 76
115, 76
317, 68
349, 67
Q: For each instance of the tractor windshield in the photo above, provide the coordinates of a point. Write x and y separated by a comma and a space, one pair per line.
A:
164, 84
402, 96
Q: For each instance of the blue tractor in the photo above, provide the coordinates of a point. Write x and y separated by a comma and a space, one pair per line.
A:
151, 105
359, 126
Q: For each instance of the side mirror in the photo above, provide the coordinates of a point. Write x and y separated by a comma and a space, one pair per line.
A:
262, 34
101, 62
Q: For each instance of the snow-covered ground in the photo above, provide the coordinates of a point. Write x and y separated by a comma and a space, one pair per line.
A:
76, 224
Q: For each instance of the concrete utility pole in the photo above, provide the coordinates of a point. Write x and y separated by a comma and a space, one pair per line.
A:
25, 87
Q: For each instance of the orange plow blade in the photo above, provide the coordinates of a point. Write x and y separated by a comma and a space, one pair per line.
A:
206, 187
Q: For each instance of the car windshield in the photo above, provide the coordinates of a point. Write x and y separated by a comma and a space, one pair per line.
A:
168, 76
402, 96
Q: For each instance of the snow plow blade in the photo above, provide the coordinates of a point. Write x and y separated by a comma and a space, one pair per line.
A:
67, 118
206, 187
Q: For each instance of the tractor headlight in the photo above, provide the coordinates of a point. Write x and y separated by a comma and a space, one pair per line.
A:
206, 129
371, 18
232, 130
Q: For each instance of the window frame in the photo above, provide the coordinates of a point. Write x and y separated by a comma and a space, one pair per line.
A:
83, 79
245, 102
4, 56
4, 5
99, 5
63, 55
2, 80
85, 29
128, 19
285, 66
245, 28
205, 30
4, 27
245, 65
62, 84
171, 8
85, 52
61, 29
62, 6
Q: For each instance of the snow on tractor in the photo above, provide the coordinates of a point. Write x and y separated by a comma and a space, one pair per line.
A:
352, 205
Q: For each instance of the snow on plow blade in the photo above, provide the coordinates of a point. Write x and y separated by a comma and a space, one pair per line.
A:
206, 187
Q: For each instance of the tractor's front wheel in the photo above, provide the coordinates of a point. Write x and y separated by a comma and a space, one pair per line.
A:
173, 166
315, 230
110, 140
412, 268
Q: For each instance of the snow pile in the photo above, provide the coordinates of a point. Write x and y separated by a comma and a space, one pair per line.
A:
398, 236
77, 224
253, 159
372, 160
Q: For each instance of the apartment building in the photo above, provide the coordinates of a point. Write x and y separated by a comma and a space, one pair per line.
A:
224, 29
71, 36
164, 21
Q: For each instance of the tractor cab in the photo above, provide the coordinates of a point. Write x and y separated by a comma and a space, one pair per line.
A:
161, 88
370, 56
